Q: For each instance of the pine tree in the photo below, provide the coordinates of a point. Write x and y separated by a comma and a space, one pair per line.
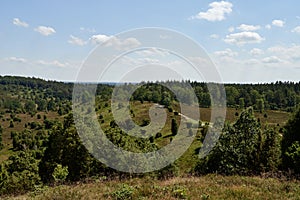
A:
174, 127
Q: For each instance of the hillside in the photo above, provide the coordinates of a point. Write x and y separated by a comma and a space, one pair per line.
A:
41, 146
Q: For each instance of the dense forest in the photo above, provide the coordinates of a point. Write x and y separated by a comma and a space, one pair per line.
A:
40, 145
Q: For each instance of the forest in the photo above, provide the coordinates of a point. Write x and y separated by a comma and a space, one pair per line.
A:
40, 146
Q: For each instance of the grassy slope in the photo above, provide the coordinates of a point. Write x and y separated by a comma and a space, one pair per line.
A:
206, 187
19, 126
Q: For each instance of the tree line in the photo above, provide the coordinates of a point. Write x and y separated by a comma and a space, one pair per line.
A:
47, 95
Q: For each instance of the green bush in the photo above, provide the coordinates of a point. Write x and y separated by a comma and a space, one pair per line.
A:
243, 148
158, 135
19, 174
123, 192
290, 144
60, 173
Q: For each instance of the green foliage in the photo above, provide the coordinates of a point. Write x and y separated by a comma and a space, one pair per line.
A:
124, 192
243, 148
12, 104
51, 106
158, 135
20, 173
270, 157
30, 107
290, 144
65, 147
174, 127
64, 108
293, 154
41, 104
260, 105
26, 139
11, 124
60, 173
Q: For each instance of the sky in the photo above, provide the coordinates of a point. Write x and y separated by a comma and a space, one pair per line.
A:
248, 41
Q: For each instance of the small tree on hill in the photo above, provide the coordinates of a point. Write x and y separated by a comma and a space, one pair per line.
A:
291, 144
174, 127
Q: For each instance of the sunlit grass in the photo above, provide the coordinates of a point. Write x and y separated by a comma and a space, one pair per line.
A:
205, 187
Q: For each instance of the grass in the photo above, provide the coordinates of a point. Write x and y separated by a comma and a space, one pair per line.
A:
205, 187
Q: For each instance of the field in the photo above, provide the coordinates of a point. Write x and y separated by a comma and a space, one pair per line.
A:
193, 188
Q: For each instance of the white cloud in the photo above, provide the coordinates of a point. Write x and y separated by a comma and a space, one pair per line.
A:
15, 59
44, 30
227, 52
98, 39
290, 53
117, 43
76, 41
272, 60
246, 27
242, 38
231, 29
268, 26
216, 12
18, 22
38, 62
256, 52
214, 36
278, 23
52, 63
296, 29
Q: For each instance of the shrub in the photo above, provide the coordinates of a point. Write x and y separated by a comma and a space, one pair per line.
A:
123, 192
60, 173
20, 173
11, 124
243, 148
151, 139
158, 135
174, 127
290, 144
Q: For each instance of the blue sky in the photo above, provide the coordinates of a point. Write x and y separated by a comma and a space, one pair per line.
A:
249, 41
